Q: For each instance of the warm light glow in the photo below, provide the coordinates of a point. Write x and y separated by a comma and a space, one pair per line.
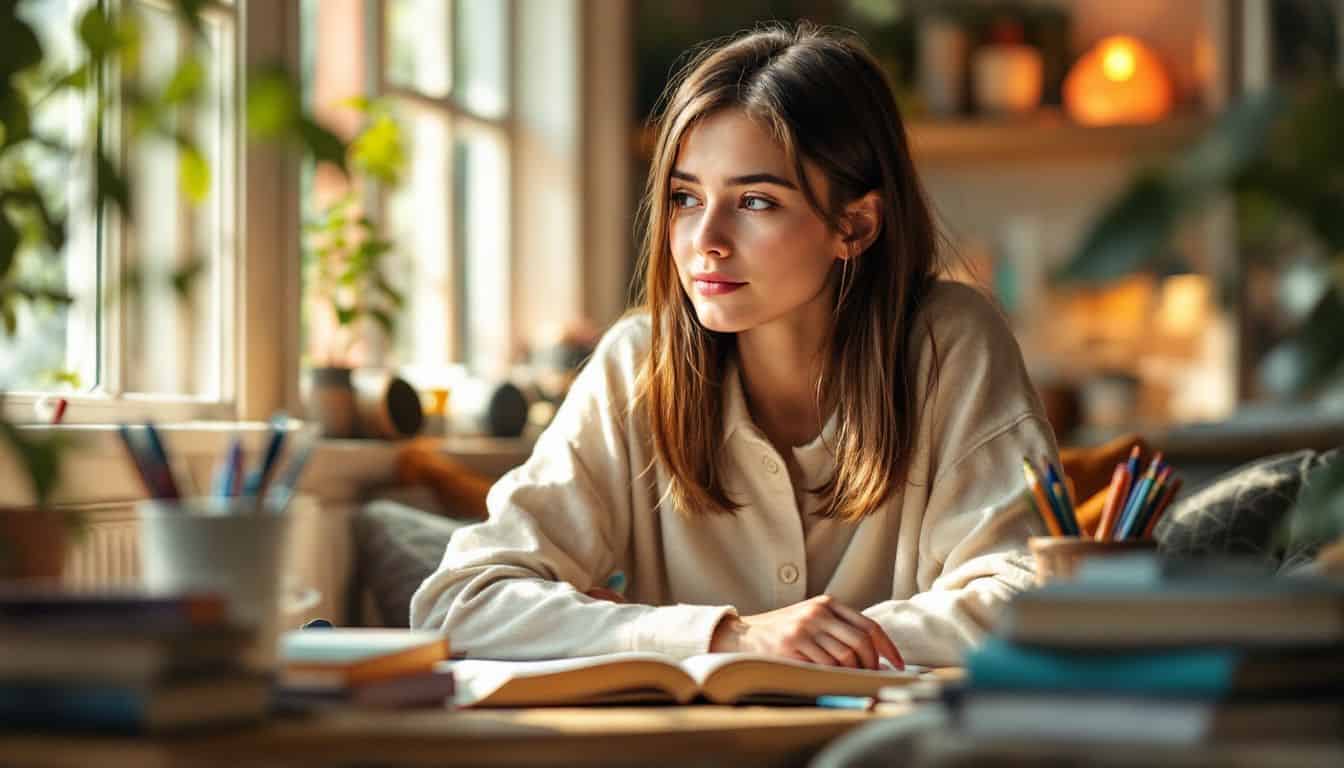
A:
1120, 80
1117, 59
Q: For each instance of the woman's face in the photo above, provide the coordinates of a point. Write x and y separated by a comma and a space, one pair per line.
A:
749, 249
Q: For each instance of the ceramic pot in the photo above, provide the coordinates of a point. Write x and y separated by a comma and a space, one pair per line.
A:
33, 545
329, 399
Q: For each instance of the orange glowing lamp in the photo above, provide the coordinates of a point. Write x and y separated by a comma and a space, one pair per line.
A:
1120, 80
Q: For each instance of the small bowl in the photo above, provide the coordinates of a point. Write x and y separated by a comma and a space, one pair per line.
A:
1058, 557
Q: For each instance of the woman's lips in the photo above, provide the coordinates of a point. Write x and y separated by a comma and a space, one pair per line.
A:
715, 287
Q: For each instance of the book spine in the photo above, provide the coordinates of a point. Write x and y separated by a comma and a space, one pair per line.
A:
74, 707
999, 665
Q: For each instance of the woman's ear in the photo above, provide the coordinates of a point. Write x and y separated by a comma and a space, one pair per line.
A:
861, 224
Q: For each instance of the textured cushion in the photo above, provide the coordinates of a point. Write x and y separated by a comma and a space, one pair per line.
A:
1239, 513
397, 547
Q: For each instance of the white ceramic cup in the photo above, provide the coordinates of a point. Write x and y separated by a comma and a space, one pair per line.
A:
225, 546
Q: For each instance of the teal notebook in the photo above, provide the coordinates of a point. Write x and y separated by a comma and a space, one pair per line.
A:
1194, 672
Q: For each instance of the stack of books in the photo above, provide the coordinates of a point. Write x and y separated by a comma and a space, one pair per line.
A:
380, 668
1139, 651
125, 661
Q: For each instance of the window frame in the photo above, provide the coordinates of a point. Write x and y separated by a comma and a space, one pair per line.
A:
258, 239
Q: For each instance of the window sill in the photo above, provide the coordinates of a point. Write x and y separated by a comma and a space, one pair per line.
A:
98, 471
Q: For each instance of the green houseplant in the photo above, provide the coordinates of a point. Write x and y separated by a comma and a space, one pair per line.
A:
33, 219
1279, 156
345, 264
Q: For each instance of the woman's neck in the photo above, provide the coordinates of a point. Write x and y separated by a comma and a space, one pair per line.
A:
780, 365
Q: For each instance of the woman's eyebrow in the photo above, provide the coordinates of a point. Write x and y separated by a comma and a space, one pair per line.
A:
737, 181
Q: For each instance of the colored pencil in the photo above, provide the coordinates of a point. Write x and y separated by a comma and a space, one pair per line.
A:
1041, 503
1161, 508
1115, 493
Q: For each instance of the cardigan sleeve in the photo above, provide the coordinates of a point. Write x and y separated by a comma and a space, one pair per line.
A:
972, 559
512, 587
982, 418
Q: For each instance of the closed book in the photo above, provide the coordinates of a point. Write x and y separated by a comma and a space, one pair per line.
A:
1183, 672
1267, 612
30, 607
161, 706
432, 688
1145, 720
127, 656
341, 657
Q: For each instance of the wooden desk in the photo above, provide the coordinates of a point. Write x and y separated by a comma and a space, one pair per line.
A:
607, 736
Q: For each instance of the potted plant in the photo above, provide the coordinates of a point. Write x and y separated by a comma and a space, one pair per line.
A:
34, 537
345, 269
1279, 155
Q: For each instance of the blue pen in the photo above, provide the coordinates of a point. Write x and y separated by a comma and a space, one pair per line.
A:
138, 460
847, 702
163, 467
226, 478
283, 488
260, 478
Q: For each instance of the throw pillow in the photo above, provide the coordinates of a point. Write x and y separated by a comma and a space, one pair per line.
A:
1239, 513
396, 548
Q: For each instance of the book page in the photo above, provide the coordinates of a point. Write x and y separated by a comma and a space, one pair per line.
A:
727, 677
586, 679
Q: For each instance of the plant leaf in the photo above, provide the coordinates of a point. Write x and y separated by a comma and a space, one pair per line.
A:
189, 13
1316, 350
98, 32
22, 47
186, 84
1319, 513
273, 105
15, 119
194, 172
9, 245
379, 152
1130, 235
110, 185
383, 319
184, 277
322, 144
40, 456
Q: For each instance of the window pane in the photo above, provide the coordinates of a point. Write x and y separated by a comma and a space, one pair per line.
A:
174, 341
421, 228
417, 45
49, 340
480, 213
479, 58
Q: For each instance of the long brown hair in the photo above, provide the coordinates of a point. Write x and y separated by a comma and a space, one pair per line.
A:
823, 97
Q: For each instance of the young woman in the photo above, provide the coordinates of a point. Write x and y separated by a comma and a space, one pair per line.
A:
804, 444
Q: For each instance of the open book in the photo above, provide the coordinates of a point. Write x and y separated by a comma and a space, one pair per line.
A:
722, 678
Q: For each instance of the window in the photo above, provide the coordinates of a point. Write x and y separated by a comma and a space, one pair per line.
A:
443, 68
137, 347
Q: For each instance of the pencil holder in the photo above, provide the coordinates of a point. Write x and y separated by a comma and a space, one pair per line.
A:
1058, 557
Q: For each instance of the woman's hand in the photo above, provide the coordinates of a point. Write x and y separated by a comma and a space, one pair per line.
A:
821, 630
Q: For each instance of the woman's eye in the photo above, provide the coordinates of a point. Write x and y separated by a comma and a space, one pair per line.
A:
757, 204
683, 200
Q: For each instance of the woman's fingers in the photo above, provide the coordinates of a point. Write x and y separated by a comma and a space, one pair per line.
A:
856, 641
881, 643
842, 652
812, 651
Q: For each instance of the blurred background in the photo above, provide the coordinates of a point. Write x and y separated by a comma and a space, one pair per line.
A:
499, 147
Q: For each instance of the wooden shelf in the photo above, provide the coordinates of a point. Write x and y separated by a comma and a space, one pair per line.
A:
1047, 138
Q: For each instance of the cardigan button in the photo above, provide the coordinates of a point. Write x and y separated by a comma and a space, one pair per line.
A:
788, 573
770, 465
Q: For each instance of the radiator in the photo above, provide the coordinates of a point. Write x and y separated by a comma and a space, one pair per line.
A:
107, 554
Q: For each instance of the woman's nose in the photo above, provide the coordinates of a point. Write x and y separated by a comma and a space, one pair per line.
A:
711, 234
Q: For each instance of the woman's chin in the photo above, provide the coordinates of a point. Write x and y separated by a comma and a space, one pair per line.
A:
720, 323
